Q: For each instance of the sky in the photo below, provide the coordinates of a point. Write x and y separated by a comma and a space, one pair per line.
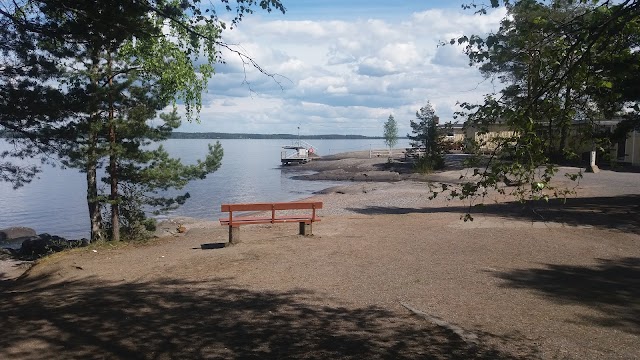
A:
344, 66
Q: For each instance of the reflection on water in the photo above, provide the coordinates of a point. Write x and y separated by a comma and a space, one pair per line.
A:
250, 172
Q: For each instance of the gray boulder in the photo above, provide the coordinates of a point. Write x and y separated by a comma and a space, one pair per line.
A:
16, 232
45, 244
6, 254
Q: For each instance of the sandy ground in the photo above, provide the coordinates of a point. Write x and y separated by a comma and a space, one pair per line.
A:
387, 274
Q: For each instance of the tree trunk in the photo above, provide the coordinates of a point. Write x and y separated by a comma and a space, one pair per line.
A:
113, 165
92, 157
92, 197
550, 138
564, 131
115, 206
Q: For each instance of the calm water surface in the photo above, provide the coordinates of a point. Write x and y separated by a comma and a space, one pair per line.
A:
56, 202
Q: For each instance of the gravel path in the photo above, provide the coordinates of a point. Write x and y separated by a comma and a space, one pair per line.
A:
388, 274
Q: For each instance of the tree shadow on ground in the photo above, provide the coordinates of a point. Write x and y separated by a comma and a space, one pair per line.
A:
407, 166
621, 169
618, 212
612, 288
401, 167
93, 319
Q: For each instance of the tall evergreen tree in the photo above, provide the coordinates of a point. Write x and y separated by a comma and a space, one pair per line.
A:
115, 63
31, 105
139, 175
427, 137
423, 128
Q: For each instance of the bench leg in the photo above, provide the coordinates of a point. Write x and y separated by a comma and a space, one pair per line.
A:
234, 235
306, 229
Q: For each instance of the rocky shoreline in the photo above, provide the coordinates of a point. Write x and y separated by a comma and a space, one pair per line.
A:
360, 166
34, 246
20, 246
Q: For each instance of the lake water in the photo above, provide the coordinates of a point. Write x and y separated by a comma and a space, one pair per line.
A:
56, 202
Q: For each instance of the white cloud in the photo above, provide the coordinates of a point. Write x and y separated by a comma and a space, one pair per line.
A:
343, 76
450, 55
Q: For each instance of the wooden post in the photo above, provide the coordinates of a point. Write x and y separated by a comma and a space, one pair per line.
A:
234, 235
633, 148
592, 163
306, 229
273, 212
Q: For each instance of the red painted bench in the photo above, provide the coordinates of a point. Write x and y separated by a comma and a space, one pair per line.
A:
305, 220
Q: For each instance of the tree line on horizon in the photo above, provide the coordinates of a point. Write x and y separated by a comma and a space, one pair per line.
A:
216, 135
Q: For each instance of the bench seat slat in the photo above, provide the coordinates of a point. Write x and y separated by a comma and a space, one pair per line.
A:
272, 206
266, 220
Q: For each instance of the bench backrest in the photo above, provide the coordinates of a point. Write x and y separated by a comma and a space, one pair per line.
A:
272, 206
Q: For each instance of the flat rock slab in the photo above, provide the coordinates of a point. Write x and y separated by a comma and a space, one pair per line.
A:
16, 232
12, 269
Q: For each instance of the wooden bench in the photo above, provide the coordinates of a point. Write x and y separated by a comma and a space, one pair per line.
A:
305, 220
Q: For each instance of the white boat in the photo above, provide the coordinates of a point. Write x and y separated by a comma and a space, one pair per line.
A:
299, 153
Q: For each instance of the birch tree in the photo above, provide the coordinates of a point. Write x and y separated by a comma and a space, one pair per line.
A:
391, 133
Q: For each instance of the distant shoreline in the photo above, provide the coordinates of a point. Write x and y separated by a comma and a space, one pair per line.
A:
221, 136
214, 135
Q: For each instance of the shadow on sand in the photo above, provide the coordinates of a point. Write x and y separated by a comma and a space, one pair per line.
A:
177, 320
211, 246
619, 212
407, 166
612, 288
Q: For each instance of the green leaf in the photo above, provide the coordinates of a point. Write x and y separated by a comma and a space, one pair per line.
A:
606, 84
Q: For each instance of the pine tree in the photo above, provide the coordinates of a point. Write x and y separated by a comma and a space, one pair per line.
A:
139, 176
427, 137
116, 63
31, 105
